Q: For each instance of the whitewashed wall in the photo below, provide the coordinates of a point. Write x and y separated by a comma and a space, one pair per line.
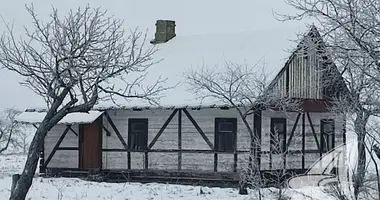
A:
191, 139
295, 160
62, 158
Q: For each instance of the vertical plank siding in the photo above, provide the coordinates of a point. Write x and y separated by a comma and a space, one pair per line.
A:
303, 71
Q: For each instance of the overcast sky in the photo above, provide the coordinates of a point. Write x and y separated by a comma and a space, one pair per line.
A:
192, 18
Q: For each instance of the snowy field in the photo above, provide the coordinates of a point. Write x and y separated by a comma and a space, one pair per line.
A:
73, 189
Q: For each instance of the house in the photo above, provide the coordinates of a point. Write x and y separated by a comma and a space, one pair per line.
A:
185, 137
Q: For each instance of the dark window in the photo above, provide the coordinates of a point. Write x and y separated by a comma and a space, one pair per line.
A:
327, 134
138, 134
225, 134
278, 135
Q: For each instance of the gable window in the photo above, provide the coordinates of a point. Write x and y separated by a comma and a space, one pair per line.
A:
278, 135
137, 134
327, 134
225, 134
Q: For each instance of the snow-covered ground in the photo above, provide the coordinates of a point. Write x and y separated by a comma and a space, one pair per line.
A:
73, 189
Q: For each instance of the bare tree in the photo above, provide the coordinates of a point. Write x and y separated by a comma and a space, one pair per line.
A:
73, 62
8, 129
351, 29
244, 88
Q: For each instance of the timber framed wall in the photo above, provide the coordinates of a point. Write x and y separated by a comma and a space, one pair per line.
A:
178, 139
303, 138
183, 140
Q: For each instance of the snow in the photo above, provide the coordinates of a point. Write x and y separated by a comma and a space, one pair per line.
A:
211, 51
35, 117
74, 189
243, 32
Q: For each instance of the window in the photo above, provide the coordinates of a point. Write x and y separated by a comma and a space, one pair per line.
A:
225, 134
137, 134
278, 135
327, 134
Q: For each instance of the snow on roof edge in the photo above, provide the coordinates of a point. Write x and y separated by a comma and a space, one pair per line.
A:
36, 117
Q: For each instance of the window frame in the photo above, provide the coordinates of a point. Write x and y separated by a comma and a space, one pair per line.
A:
274, 120
217, 134
131, 121
325, 148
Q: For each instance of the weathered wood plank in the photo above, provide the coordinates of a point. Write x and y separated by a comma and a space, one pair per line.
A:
72, 130
198, 128
180, 139
293, 130
116, 130
172, 151
215, 162
57, 145
108, 133
313, 130
303, 140
162, 129
68, 148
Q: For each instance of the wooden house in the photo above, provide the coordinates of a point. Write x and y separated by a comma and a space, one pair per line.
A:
185, 135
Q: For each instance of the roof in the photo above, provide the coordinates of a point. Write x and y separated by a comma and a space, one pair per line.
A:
245, 36
183, 53
36, 117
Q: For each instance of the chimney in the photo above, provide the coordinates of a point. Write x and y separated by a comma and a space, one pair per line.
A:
165, 31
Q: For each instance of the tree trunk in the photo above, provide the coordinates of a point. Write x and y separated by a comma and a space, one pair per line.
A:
360, 130
22, 186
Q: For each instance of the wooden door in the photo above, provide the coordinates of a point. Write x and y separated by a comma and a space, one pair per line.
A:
90, 140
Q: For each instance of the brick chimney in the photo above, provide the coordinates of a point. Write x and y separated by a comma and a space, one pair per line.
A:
165, 31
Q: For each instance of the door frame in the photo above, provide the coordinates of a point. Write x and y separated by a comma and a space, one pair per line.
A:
99, 122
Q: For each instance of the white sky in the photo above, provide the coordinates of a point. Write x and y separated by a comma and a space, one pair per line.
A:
192, 18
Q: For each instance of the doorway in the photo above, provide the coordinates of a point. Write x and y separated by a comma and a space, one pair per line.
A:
90, 145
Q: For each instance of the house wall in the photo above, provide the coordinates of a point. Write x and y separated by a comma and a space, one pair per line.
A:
191, 139
294, 161
62, 158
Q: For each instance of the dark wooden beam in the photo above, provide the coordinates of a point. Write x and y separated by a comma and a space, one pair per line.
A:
68, 148
293, 130
146, 160
215, 162
195, 124
313, 130
57, 145
108, 133
173, 151
235, 161
180, 139
72, 130
257, 119
303, 140
162, 129
42, 157
116, 130
296, 151
129, 160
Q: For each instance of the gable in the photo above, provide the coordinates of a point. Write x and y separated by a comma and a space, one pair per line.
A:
308, 72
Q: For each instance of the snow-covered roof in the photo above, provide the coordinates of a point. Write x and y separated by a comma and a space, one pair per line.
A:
183, 53
208, 33
35, 117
